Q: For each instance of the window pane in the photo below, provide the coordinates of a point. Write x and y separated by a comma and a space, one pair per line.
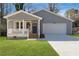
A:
27, 25
21, 25
17, 25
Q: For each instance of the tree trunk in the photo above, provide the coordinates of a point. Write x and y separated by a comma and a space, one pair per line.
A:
2, 12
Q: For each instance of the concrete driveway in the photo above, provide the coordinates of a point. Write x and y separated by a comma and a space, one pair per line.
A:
53, 37
64, 45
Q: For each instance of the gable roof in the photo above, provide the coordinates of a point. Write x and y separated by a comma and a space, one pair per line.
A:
21, 11
54, 14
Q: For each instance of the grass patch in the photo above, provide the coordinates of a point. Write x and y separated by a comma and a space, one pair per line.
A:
25, 48
75, 35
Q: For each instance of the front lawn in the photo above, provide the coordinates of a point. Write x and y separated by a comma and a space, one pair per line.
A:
25, 48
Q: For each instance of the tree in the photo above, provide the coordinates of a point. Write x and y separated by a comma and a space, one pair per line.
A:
1, 12
3, 28
7, 8
71, 13
24, 6
29, 7
19, 6
2, 20
53, 7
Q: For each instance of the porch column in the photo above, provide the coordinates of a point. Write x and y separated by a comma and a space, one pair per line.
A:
23, 27
7, 26
39, 28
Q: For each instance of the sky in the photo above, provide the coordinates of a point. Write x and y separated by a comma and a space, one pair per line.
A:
61, 6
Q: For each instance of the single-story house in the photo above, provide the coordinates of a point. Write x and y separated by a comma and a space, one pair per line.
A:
24, 24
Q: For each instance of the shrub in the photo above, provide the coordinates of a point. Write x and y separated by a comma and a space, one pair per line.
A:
3, 27
42, 36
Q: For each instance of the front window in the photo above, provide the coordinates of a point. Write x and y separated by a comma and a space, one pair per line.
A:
17, 25
27, 25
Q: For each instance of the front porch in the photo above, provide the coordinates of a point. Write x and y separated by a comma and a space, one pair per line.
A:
24, 28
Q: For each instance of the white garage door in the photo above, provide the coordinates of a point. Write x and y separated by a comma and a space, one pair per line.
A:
56, 28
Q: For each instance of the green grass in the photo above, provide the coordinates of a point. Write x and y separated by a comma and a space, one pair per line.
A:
25, 48
75, 35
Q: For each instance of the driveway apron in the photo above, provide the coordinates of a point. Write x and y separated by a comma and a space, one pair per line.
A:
64, 45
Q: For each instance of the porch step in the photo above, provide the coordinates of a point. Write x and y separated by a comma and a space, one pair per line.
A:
33, 35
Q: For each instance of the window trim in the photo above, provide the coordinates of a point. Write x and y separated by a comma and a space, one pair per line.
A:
19, 24
30, 25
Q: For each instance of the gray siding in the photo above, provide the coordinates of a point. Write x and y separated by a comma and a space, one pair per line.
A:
10, 24
41, 27
21, 16
69, 27
52, 18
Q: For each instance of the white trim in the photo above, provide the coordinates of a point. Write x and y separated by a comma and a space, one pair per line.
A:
22, 12
19, 24
15, 24
7, 27
23, 27
39, 28
30, 27
54, 14
30, 23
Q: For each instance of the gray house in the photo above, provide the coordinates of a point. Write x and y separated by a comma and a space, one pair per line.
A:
24, 24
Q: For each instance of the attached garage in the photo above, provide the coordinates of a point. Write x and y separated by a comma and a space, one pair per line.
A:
54, 28
54, 24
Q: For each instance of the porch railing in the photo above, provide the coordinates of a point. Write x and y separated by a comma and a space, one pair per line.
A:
18, 32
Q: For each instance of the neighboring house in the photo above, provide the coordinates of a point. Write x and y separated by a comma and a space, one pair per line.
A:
74, 15
76, 20
71, 12
24, 24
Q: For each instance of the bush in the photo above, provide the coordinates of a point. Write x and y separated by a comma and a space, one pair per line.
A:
3, 33
42, 36
3, 28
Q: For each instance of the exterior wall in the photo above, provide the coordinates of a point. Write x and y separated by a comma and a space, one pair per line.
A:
69, 27
41, 27
51, 18
10, 24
